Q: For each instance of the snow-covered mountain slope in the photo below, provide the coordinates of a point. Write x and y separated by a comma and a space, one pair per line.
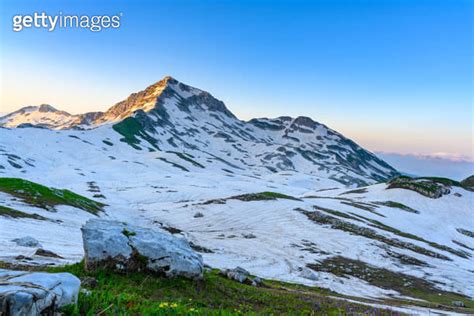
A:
46, 116
350, 241
173, 156
170, 116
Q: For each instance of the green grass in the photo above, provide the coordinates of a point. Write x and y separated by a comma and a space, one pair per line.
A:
337, 213
468, 233
430, 185
357, 191
128, 233
249, 197
363, 206
130, 129
144, 294
444, 181
173, 164
393, 204
187, 158
9, 212
263, 196
47, 198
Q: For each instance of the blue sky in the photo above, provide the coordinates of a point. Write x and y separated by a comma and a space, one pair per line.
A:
393, 75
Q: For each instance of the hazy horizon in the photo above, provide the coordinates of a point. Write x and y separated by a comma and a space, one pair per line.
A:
390, 75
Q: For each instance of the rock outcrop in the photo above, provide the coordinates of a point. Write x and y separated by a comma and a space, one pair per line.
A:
468, 183
241, 275
25, 293
126, 248
429, 187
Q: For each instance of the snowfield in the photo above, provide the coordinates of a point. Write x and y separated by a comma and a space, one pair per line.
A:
198, 189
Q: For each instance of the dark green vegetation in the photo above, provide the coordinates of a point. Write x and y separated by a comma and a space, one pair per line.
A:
466, 232
393, 204
337, 213
130, 129
468, 183
379, 225
144, 294
402, 283
356, 191
188, 158
128, 233
433, 187
249, 197
173, 164
338, 224
444, 181
9, 212
47, 198
363, 206
262, 196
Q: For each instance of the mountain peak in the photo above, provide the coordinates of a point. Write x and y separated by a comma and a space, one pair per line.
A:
46, 108
156, 97
43, 115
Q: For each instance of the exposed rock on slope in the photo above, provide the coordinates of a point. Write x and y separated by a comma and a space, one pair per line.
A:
129, 248
170, 116
468, 183
26, 293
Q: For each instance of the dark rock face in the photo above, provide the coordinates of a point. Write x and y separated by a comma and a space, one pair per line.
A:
468, 183
88, 118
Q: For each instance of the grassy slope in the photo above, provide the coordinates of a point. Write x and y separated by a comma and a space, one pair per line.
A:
144, 294
9, 212
41, 196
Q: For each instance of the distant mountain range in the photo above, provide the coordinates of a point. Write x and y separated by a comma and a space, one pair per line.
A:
457, 168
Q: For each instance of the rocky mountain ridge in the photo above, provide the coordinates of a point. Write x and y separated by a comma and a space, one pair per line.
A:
171, 116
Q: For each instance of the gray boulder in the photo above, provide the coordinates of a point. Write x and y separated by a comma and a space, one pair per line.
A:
241, 275
27, 241
308, 274
32, 293
458, 303
127, 248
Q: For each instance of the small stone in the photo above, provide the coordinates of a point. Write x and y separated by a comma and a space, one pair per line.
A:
249, 236
27, 241
458, 303
309, 274
198, 214
257, 281
25, 258
242, 271
89, 282
86, 292
316, 307
46, 253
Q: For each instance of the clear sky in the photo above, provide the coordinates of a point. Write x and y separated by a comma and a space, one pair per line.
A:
392, 75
